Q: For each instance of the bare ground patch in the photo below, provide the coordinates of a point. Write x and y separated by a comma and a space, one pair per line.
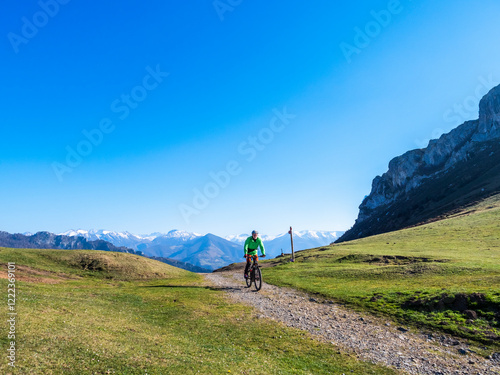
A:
30, 274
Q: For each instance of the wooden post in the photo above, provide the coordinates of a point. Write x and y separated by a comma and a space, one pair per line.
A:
291, 239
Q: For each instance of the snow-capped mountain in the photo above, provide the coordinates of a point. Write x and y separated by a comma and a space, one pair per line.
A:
167, 244
47, 240
302, 240
239, 238
209, 251
116, 238
180, 234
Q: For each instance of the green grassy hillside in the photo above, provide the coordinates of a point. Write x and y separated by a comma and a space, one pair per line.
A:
92, 312
444, 275
63, 264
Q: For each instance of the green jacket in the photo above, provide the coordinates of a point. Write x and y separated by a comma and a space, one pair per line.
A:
252, 245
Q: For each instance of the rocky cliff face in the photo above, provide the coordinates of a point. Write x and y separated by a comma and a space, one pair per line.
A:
452, 166
489, 116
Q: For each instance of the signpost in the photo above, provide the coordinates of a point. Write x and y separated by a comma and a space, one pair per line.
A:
291, 239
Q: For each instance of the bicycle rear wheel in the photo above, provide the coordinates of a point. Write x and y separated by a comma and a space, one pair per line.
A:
258, 278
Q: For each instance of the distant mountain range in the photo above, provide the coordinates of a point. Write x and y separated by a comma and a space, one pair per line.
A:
46, 240
76, 241
208, 251
302, 240
452, 172
117, 238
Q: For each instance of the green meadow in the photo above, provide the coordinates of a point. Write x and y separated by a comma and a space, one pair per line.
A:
93, 312
444, 275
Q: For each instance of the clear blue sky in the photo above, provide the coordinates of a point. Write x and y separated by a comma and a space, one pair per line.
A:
349, 103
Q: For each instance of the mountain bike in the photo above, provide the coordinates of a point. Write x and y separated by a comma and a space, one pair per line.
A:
254, 274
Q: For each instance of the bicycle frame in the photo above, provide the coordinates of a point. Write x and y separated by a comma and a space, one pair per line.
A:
252, 271
255, 259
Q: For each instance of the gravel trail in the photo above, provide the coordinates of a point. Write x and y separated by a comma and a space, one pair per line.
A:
370, 338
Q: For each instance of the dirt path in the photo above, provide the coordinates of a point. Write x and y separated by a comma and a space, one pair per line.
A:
370, 338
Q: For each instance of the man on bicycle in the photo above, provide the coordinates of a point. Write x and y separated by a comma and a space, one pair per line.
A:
252, 244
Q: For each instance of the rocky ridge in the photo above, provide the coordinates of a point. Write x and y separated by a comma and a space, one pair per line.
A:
447, 165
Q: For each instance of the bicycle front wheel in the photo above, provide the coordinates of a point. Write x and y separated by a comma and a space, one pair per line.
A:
248, 280
258, 279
